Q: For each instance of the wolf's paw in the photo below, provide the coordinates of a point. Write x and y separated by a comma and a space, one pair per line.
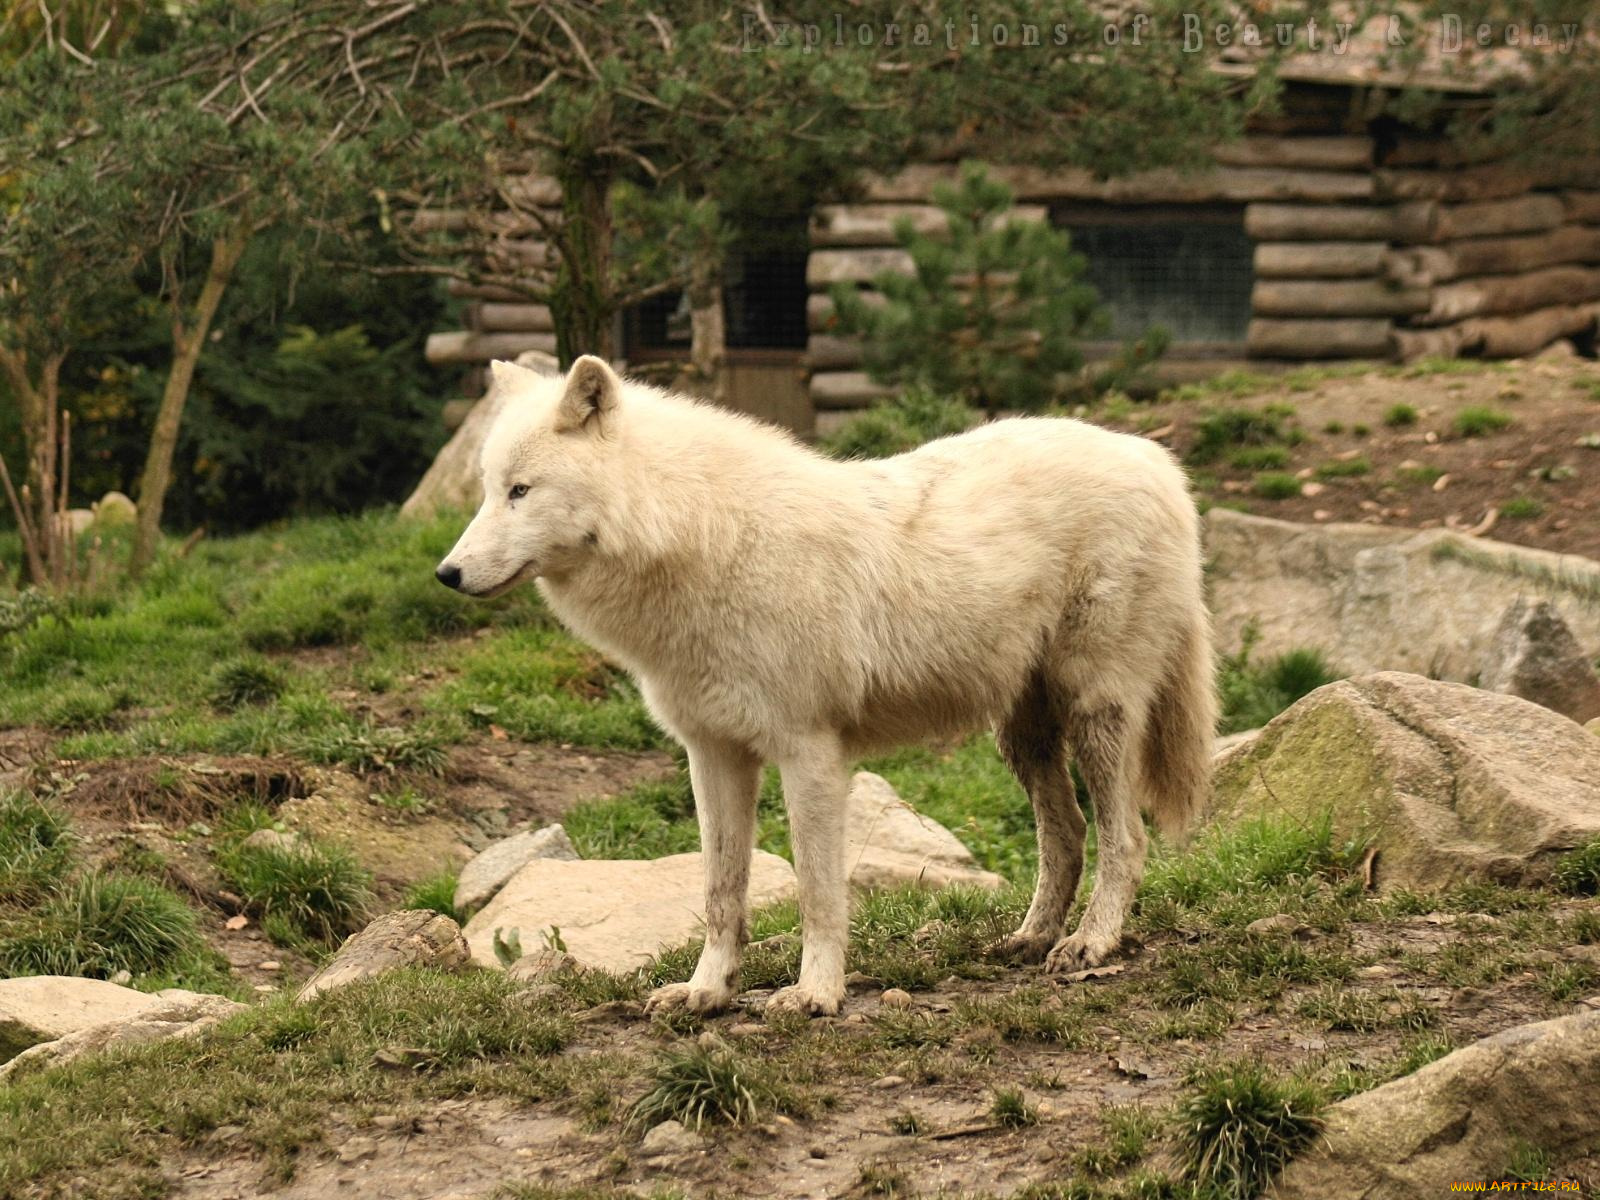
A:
1022, 948
1079, 952
686, 997
805, 1000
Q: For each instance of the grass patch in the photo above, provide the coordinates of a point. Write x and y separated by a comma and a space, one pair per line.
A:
1578, 871
1478, 420
245, 681
1220, 429
1252, 694
1275, 485
1259, 458
35, 848
437, 894
97, 925
1344, 468
896, 426
708, 1083
1522, 508
1011, 1109
1241, 1124
105, 1120
1400, 416
1418, 476
317, 890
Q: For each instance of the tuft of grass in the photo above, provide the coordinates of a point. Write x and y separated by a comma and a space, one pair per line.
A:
319, 890
706, 1082
1398, 416
245, 681
1012, 1110
35, 848
1418, 475
1222, 428
1578, 871
1479, 420
97, 925
1344, 468
82, 706
1275, 485
366, 746
1259, 458
437, 894
1241, 1124
1522, 508
1253, 694
908, 1124
898, 425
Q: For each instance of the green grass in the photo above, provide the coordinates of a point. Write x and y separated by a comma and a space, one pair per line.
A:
1344, 468
319, 891
1221, 429
1399, 416
1259, 458
1241, 1124
1420, 476
895, 426
1522, 508
113, 1121
1275, 485
35, 848
1480, 421
1011, 1109
437, 893
1253, 693
707, 1082
244, 681
99, 924
1578, 871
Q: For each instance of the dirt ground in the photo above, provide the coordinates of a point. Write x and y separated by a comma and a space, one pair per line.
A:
468, 1147
1549, 454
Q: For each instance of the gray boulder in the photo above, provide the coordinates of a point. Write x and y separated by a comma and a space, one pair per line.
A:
1447, 782
487, 873
1463, 1117
888, 843
1535, 656
411, 937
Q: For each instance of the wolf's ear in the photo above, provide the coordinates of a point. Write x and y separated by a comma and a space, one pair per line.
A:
590, 399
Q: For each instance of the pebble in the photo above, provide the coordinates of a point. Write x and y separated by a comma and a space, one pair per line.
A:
269, 965
895, 998
884, 1082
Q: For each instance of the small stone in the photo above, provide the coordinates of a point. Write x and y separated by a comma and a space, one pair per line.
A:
272, 839
857, 982
486, 874
266, 988
895, 998
357, 1149
855, 1018
745, 1029
1282, 923
270, 965
669, 1137
884, 1082
541, 964
122, 978
1375, 971
410, 937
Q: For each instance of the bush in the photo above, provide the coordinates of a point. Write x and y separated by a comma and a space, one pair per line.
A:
1397, 416
1344, 468
1276, 485
1242, 1125
1253, 694
437, 894
892, 427
245, 681
1578, 872
98, 925
1259, 458
1221, 428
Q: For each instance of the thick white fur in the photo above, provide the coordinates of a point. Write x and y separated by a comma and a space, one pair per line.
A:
1040, 576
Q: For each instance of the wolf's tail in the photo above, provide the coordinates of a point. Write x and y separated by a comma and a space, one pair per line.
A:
1176, 755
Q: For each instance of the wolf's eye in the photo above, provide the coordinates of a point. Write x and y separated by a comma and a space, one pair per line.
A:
518, 491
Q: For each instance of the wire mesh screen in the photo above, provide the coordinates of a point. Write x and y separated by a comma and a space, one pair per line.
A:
1186, 270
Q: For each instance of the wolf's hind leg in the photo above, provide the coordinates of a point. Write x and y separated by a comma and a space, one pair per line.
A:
1033, 743
725, 778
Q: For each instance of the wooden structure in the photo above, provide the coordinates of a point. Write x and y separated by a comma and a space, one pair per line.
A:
1359, 239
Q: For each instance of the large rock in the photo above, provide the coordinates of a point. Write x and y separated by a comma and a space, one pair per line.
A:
487, 873
412, 937
616, 915
1463, 1117
1447, 782
171, 1013
889, 843
1379, 599
42, 1008
1535, 656
452, 482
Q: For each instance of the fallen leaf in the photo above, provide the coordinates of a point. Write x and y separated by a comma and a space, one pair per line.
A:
1092, 973
498, 734
238, 922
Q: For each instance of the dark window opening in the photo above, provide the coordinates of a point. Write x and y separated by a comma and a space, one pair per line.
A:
1187, 268
763, 299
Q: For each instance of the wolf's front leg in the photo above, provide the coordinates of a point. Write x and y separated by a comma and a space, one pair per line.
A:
726, 779
816, 782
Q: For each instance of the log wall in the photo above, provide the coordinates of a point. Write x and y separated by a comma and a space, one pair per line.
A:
1361, 250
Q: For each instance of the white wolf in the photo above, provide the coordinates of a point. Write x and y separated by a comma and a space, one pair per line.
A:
1040, 576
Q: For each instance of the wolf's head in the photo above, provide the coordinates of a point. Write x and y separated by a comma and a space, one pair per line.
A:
544, 478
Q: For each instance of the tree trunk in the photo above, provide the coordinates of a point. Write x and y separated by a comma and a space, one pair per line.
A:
581, 301
708, 336
39, 398
188, 340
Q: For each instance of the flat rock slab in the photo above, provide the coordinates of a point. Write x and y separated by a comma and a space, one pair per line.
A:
42, 1008
616, 915
1463, 1117
488, 871
172, 1013
411, 937
1448, 782
889, 843
1383, 599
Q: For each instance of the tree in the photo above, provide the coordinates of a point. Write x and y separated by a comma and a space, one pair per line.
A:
992, 313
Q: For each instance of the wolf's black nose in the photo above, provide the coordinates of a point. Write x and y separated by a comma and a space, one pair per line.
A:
449, 575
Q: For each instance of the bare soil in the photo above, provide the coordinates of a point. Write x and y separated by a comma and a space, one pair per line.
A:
1554, 405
